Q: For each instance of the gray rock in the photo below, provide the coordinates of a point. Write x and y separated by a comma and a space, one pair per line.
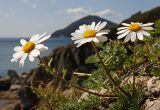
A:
27, 97
12, 74
23, 75
9, 101
153, 85
15, 87
9, 105
85, 95
5, 83
15, 79
72, 59
152, 105
38, 75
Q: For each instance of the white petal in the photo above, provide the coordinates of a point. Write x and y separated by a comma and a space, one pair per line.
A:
101, 33
145, 33
93, 25
79, 31
127, 38
102, 38
89, 39
17, 48
88, 27
18, 53
122, 35
31, 58
41, 47
14, 59
125, 24
21, 62
121, 28
134, 22
38, 46
23, 42
140, 35
79, 40
101, 26
95, 40
81, 43
43, 39
39, 37
122, 31
35, 52
34, 38
97, 25
133, 36
83, 27
76, 37
76, 34
84, 41
17, 56
147, 28
147, 24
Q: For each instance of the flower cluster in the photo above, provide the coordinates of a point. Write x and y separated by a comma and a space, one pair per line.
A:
94, 33
86, 33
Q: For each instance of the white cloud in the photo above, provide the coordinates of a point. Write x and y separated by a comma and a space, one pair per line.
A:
52, 1
107, 12
80, 12
33, 6
30, 3
76, 11
7, 15
26, 2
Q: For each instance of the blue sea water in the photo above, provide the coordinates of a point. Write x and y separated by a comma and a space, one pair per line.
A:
6, 52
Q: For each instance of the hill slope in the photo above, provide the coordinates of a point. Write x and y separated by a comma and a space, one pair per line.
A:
145, 17
66, 32
148, 16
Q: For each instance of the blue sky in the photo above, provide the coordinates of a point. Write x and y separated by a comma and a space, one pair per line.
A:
22, 18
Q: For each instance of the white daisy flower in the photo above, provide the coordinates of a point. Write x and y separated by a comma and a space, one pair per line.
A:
90, 33
29, 48
134, 30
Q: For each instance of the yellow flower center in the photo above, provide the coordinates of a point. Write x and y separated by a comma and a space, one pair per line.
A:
89, 33
134, 27
28, 47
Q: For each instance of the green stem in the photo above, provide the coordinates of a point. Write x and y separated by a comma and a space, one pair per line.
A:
94, 93
107, 72
134, 66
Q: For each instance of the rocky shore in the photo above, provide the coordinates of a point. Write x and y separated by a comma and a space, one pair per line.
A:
15, 93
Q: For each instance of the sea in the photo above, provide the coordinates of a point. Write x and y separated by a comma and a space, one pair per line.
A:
6, 52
